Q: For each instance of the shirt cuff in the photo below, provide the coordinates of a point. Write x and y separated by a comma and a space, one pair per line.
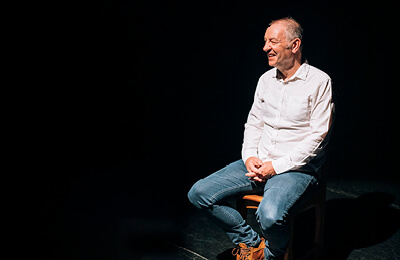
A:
251, 153
282, 165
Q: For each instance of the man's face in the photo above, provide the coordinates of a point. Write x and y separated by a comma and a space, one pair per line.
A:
276, 47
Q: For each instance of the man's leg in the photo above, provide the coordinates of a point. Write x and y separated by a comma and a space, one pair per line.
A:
210, 194
281, 192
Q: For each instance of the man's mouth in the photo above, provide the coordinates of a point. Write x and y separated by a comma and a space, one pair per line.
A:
270, 55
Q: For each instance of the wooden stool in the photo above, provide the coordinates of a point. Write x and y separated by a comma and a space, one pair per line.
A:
317, 201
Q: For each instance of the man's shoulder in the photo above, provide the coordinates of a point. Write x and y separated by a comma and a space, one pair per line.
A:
318, 74
269, 73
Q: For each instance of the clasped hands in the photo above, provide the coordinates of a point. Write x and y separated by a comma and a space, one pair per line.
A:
258, 170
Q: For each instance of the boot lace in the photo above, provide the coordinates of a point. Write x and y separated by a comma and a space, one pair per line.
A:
243, 253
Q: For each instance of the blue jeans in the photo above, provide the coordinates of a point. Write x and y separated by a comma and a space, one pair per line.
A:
281, 192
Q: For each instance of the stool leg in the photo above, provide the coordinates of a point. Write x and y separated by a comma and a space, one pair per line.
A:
319, 229
289, 249
241, 207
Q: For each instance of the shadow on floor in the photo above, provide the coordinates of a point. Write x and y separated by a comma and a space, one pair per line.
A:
357, 223
349, 224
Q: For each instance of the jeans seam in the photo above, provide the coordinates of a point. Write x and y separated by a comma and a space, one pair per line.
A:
293, 201
228, 215
213, 199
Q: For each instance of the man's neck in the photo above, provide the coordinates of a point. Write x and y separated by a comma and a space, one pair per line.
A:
287, 73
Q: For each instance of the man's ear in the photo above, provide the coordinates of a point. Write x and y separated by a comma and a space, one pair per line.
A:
296, 45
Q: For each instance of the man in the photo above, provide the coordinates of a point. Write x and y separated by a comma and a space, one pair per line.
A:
283, 149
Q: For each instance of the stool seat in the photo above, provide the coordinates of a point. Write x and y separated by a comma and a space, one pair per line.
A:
256, 198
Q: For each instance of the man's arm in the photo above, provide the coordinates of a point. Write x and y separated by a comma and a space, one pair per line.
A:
320, 122
253, 129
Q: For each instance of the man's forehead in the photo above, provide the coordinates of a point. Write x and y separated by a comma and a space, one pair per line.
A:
275, 31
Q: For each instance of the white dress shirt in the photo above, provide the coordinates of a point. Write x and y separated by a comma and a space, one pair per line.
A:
289, 120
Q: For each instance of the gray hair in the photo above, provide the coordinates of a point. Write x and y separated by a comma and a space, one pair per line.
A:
293, 28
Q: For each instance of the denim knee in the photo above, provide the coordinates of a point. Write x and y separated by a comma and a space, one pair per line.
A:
197, 195
270, 219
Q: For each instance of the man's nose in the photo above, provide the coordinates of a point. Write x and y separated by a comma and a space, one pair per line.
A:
266, 47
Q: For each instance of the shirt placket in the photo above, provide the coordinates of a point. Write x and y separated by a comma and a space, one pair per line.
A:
278, 115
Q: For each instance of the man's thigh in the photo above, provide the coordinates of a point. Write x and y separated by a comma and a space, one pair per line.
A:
284, 190
228, 182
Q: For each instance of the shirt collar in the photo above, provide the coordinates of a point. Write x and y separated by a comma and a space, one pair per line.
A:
301, 73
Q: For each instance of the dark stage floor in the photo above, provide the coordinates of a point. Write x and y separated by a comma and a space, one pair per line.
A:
362, 222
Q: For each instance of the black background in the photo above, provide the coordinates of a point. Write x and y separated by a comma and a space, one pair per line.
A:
173, 82
149, 96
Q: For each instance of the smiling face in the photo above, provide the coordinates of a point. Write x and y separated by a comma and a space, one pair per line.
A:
281, 53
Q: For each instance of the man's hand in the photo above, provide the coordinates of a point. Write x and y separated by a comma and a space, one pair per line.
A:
259, 171
253, 164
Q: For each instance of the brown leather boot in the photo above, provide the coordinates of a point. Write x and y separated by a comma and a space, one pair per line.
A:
242, 252
258, 252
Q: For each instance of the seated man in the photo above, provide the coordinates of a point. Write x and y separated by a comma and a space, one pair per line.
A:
283, 149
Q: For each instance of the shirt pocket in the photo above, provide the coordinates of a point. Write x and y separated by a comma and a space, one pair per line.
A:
298, 108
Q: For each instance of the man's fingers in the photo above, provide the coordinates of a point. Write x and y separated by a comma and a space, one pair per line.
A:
258, 161
251, 174
258, 179
254, 176
262, 168
253, 169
